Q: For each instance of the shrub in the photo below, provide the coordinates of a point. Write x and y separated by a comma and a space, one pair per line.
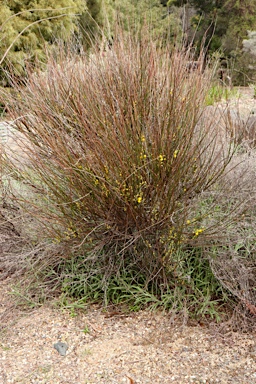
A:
125, 169
27, 27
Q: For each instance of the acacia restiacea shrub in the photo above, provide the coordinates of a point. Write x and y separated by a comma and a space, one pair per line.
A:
121, 155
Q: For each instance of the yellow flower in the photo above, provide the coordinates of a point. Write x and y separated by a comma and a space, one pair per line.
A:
161, 158
188, 222
198, 231
106, 170
143, 138
175, 153
139, 199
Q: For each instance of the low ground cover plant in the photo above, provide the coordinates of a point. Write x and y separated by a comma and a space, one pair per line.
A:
218, 92
125, 177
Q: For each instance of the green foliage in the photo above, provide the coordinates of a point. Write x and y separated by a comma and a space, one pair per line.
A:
91, 23
194, 287
222, 26
245, 61
219, 92
27, 28
164, 23
205, 6
242, 19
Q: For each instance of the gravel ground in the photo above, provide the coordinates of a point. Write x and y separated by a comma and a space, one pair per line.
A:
111, 347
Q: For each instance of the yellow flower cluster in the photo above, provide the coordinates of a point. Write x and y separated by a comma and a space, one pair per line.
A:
143, 156
175, 153
70, 233
198, 231
139, 199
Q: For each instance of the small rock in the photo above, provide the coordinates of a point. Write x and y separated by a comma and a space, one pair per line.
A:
61, 348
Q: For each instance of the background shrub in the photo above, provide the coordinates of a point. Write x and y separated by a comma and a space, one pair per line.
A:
26, 28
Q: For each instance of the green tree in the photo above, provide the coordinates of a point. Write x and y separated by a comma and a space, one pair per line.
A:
242, 18
222, 21
91, 22
164, 20
206, 23
201, 5
222, 25
29, 26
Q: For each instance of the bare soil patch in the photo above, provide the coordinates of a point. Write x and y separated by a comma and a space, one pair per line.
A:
112, 347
